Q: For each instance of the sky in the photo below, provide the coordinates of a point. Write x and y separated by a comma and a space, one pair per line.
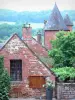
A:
36, 5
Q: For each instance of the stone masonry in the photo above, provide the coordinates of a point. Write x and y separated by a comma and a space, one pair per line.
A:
15, 48
65, 91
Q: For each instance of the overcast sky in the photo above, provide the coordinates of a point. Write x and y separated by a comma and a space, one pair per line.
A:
36, 5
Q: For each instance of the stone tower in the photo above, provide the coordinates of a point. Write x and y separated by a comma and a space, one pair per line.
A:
68, 22
54, 24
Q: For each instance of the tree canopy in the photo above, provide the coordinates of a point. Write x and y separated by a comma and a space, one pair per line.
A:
63, 49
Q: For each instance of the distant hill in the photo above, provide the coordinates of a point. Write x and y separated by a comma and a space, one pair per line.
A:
28, 16
7, 16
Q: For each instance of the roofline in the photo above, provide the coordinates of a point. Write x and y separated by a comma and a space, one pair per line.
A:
40, 44
69, 25
26, 27
9, 40
67, 20
40, 59
30, 50
50, 30
56, 30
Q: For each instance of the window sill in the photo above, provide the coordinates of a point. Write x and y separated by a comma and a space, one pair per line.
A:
16, 82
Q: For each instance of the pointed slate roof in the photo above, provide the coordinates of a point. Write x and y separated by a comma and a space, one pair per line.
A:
55, 21
67, 20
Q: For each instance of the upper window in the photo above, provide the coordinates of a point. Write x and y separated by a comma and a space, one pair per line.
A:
16, 70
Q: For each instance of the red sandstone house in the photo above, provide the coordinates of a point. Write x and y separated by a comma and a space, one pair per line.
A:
23, 57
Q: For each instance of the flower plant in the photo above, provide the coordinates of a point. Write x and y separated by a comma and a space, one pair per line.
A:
49, 84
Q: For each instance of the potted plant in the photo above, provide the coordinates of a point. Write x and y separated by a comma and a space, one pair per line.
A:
49, 89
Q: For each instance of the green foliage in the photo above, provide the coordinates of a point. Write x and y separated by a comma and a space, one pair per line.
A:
64, 72
4, 95
63, 49
7, 30
4, 81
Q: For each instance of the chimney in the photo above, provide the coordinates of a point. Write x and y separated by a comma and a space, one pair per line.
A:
39, 38
26, 32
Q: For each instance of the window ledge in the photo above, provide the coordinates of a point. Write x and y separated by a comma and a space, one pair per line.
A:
16, 82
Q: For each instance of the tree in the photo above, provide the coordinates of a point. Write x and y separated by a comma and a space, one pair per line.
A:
63, 49
4, 81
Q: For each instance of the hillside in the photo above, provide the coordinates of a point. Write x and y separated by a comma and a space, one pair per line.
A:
27, 16
8, 16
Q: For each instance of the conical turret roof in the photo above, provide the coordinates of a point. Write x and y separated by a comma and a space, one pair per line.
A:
55, 21
67, 21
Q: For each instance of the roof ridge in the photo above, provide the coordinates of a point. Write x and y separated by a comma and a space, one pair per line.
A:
39, 59
30, 50
40, 44
9, 40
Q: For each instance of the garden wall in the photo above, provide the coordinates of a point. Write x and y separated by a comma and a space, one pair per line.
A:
65, 91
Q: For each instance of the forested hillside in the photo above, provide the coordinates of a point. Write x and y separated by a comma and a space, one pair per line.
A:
6, 30
26, 16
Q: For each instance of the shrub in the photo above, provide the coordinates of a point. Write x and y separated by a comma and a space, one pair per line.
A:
4, 81
64, 73
63, 49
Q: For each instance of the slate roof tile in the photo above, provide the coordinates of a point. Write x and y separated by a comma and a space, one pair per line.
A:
68, 21
55, 21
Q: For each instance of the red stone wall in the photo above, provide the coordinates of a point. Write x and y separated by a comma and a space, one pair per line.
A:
49, 35
29, 61
37, 48
26, 32
16, 49
70, 28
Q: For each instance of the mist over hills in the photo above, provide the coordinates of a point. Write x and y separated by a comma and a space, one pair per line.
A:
30, 16
19, 18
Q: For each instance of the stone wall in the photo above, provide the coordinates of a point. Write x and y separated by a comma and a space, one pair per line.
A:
65, 91
22, 89
48, 36
16, 49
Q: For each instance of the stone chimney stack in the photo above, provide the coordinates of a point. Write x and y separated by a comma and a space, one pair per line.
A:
39, 38
26, 32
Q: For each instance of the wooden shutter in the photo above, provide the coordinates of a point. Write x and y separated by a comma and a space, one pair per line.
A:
36, 81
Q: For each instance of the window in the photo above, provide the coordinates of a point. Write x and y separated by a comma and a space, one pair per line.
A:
36, 81
16, 70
